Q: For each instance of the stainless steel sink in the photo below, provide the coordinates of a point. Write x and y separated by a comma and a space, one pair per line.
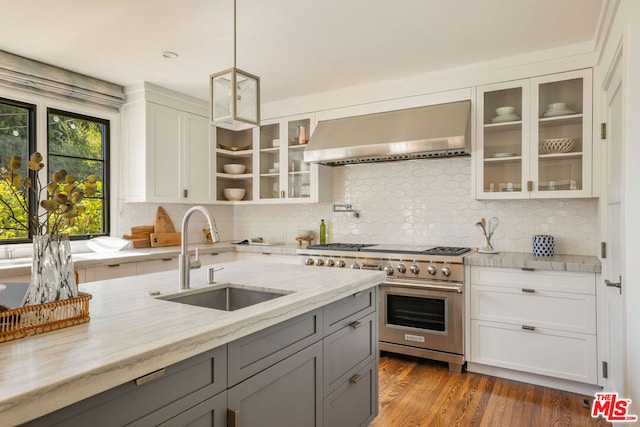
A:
227, 297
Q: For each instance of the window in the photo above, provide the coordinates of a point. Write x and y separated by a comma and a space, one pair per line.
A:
76, 143
79, 144
17, 138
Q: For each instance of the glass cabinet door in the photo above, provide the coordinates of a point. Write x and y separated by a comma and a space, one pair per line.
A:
298, 171
561, 132
270, 161
502, 131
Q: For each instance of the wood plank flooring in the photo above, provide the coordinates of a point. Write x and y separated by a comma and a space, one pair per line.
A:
416, 392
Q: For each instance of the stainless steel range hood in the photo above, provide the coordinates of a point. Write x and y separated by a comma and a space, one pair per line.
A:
425, 132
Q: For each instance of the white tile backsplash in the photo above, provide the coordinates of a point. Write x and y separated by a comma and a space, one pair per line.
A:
424, 202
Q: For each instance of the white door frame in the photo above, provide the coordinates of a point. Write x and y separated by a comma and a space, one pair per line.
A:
616, 74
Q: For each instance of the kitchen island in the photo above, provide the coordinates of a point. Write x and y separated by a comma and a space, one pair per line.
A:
132, 334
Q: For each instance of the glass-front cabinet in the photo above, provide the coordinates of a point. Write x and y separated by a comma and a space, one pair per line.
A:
283, 174
534, 137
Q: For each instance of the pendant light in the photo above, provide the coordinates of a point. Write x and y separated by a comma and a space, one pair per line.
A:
235, 95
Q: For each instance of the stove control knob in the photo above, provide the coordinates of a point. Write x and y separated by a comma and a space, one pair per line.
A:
309, 261
432, 270
319, 262
389, 269
330, 263
414, 269
355, 265
340, 263
446, 271
401, 268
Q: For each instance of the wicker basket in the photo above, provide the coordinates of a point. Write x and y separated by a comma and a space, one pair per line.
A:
35, 319
556, 145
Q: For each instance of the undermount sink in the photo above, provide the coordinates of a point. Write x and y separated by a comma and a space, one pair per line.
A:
226, 297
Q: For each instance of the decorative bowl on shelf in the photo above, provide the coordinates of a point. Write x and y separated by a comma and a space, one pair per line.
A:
505, 111
305, 234
234, 168
234, 194
230, 148
556, 145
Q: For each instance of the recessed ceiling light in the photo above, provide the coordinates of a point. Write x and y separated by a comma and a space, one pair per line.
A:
169, 55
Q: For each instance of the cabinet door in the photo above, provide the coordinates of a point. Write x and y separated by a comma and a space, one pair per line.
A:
503, 129
287, 394
561, 143
164, 153
198, 174
298, 173
268, 161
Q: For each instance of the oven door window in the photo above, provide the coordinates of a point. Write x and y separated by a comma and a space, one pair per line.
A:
417, 312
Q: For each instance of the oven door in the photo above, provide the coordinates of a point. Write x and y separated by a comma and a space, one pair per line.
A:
421, 315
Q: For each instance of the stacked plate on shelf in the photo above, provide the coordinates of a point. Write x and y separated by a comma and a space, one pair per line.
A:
505, 114
558, 109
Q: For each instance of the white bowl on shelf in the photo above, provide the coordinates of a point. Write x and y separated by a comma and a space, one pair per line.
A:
305, 234
234, 168
505, 111
234, 194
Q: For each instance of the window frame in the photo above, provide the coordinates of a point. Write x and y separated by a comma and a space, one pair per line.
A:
106, 160
32, 115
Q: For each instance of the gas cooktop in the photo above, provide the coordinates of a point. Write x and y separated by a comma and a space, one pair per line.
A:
398, 249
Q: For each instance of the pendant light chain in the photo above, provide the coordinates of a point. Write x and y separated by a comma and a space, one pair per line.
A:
234, 33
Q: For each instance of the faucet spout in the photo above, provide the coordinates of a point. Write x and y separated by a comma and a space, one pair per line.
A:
184, 261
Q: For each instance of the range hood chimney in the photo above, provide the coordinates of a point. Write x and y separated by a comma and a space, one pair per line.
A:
417, 133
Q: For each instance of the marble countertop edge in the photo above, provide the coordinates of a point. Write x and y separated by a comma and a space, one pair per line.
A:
575, 263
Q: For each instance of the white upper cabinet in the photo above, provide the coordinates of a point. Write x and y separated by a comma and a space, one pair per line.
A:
534, 137
283, 175
167, 148
274, 170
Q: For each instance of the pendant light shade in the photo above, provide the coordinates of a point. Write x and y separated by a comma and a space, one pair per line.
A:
235, 95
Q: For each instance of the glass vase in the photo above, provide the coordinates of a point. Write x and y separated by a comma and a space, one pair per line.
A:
52, 274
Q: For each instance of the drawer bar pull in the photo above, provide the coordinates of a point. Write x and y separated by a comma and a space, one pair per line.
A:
354, 379
150, 377
167, 259
357, 294
528, 328
233, 416
356, 324
528, 290
113, 265
528, 269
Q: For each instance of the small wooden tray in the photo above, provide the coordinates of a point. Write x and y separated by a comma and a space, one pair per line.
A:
35, 319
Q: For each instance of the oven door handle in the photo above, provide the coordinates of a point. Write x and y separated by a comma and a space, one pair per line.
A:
454, 288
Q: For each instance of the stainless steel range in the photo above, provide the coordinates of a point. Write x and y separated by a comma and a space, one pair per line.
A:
421, 302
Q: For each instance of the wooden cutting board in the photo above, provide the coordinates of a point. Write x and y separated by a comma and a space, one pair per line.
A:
165, 239
163, 222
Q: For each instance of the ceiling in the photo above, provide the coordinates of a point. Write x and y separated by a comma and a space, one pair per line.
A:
297, 47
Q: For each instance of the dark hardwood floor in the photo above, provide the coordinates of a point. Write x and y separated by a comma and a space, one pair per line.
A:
416, 392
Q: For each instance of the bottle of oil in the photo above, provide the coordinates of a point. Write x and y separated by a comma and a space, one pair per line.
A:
323, 232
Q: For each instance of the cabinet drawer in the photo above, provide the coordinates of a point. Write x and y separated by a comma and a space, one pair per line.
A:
552, 310
156, 265
346, 350
210, 413
554, 281
251, 354
343, 312
266, 257
111, 271
355, 402
216, 258
181, 387
541, 351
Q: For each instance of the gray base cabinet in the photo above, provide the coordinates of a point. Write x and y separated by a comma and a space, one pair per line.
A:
318, 369
287, 394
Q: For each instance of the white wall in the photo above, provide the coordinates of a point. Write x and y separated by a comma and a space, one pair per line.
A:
627, 25
424, 202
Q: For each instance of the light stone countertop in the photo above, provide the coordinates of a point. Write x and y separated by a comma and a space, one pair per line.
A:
576, 263
131, 334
